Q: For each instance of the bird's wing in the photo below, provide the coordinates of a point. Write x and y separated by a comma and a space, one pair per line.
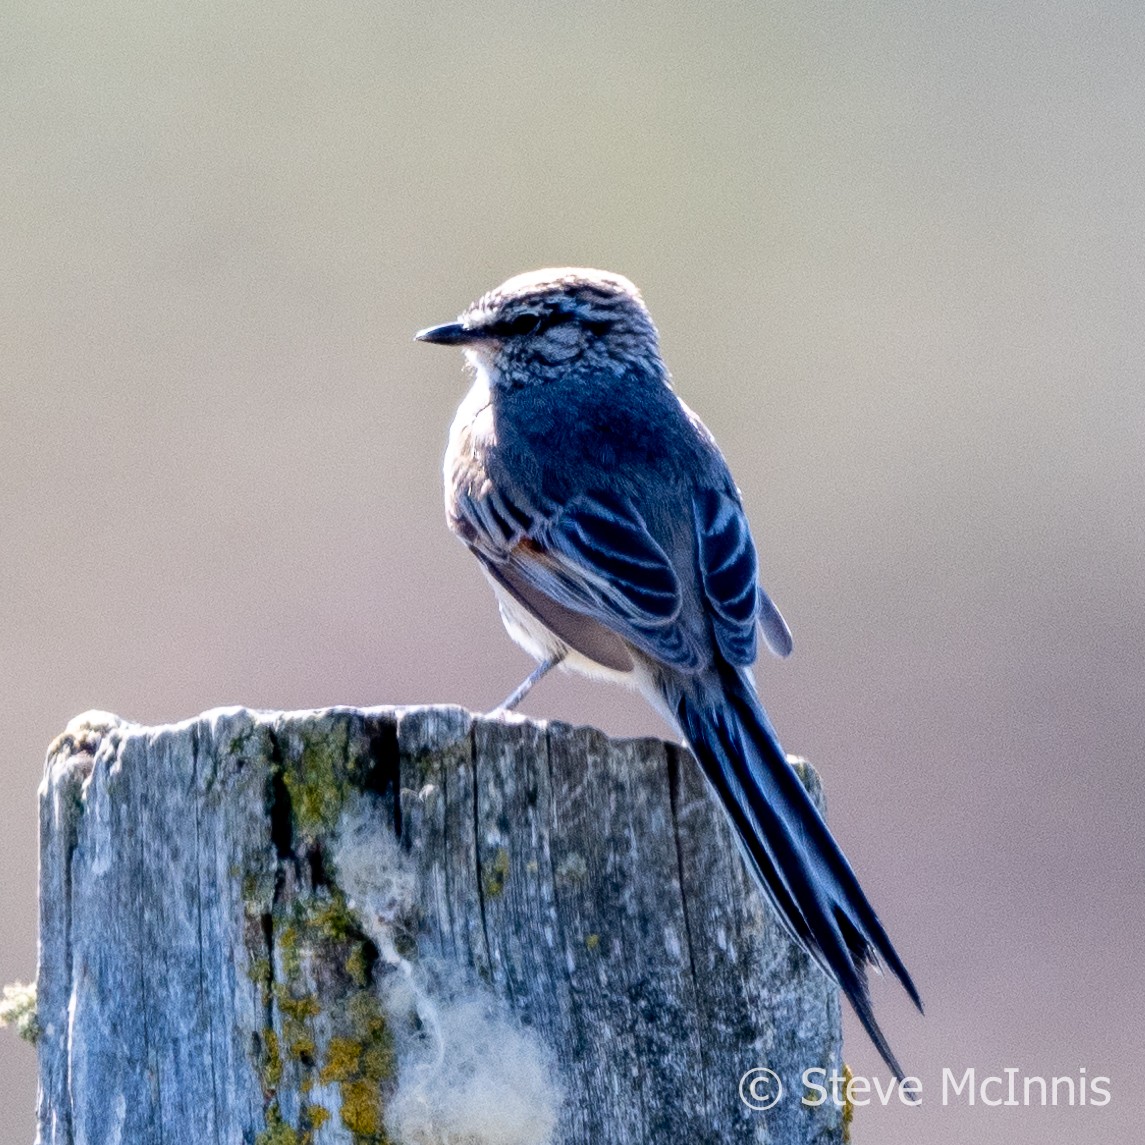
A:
580, 632
728, 569
593, 557
774, 628
728, 563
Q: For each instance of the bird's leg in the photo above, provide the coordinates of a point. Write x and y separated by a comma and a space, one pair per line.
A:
526, 685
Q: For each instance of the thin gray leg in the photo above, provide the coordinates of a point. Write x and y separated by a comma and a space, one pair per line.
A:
526, 685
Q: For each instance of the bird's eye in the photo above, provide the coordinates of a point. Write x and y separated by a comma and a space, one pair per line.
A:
521, 325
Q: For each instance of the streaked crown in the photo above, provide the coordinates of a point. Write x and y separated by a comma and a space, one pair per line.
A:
594, 298
553, 316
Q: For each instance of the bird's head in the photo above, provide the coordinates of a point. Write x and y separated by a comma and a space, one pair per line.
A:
548, 320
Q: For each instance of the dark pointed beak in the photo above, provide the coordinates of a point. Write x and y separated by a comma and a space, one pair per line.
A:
447, 334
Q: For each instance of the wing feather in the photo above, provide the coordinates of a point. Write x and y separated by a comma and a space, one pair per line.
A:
729, 570
595, 558
773, 626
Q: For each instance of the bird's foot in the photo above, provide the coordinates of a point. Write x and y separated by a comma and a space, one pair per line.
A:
526, 686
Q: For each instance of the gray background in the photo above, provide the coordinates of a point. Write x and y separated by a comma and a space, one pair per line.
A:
895, 253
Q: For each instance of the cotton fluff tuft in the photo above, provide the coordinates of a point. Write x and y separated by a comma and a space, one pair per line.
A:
479, 1079
468, 1073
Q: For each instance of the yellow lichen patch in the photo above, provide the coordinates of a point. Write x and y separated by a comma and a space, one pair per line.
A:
317, 1115
342, 1057
495, 873
378, 1059
296, 1009
362, 1108
364, 1067
331, 916
316, 779
356, 965
354, 1049
286, 942
312, 960
272, 1067
259, 973
277, 1132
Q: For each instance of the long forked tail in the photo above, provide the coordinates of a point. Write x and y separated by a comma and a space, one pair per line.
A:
785, 840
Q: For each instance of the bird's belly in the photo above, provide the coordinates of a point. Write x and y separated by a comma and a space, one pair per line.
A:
543, 644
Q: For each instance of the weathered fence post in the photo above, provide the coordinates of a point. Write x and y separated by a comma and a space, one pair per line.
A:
407, 925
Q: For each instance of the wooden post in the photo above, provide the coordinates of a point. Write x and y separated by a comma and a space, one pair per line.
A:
407, 925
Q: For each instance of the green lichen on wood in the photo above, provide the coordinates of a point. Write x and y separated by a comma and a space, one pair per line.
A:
286, 947
321, 982
357, 965
277, 1132
495, 874
258, 971
361, 1067
362, 1111
272, 1061
316, 781
316, 1115
321, 767
257, 890
322, 940
312, 961
332, 918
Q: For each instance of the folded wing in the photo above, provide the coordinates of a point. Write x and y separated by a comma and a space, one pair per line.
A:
729, 571
593, 558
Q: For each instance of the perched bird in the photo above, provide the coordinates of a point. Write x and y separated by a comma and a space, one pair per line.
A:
608, 523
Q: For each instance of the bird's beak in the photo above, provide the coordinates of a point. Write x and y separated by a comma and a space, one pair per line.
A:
447, 334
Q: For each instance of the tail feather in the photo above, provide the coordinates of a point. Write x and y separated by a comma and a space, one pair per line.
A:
786, 842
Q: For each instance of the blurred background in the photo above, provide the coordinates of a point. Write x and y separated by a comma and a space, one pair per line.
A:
895, 254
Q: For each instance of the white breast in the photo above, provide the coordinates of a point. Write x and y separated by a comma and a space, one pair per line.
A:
471, 432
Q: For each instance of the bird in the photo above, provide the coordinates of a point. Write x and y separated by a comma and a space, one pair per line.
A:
615, 539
